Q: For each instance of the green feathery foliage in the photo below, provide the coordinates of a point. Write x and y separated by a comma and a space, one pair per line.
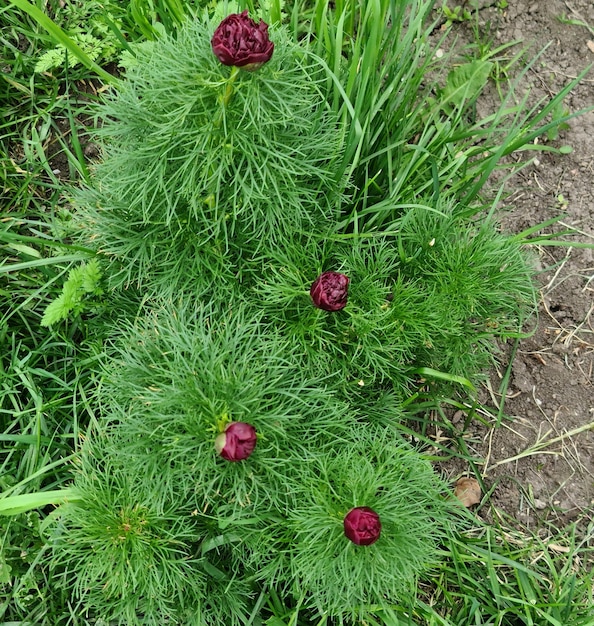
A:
433, 292
353, 149
89, 25
203, 165
311, 557
375, 337
177, 381
138, 559
82, 282
479, 283
119, 553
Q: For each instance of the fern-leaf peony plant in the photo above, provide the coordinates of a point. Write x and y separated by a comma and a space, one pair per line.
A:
158, 495
247, 439
206, 164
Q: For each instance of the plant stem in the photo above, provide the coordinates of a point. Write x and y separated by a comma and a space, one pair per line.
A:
228, 94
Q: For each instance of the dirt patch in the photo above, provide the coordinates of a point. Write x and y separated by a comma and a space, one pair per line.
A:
539, 466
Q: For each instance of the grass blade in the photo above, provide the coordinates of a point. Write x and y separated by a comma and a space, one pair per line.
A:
14, 505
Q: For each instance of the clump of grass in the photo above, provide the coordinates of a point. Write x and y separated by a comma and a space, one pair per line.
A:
519, 577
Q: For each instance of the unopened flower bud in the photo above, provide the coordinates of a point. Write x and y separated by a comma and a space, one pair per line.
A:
330, 291
237, 441
239, 41
362, 526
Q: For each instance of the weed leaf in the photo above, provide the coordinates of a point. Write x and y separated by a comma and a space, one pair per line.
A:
465, 82
83, 280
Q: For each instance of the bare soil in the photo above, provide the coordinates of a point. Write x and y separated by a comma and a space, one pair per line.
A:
537, 466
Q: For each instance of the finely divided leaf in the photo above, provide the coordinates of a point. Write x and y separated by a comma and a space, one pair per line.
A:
81, 281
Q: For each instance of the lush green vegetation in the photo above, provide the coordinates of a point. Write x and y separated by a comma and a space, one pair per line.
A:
163, 219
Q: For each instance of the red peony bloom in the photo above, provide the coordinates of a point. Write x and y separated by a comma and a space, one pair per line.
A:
239, 41
329, 291
237, 442
362, 526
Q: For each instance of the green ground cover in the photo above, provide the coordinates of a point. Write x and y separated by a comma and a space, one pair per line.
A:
164, 216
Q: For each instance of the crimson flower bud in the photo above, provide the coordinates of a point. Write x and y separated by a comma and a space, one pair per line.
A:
237, 442
329, 291
362, 526
239, 41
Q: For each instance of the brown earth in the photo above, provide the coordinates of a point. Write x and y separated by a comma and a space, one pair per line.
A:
538, 465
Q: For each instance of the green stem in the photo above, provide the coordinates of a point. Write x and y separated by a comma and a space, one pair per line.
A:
226, 98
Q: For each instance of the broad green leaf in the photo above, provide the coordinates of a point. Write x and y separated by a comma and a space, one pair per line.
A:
465, 82
5, 570
14, 505
431, 373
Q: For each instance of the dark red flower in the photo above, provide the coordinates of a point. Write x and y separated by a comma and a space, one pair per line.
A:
329, 291
362, 526
239, 41
237, 442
